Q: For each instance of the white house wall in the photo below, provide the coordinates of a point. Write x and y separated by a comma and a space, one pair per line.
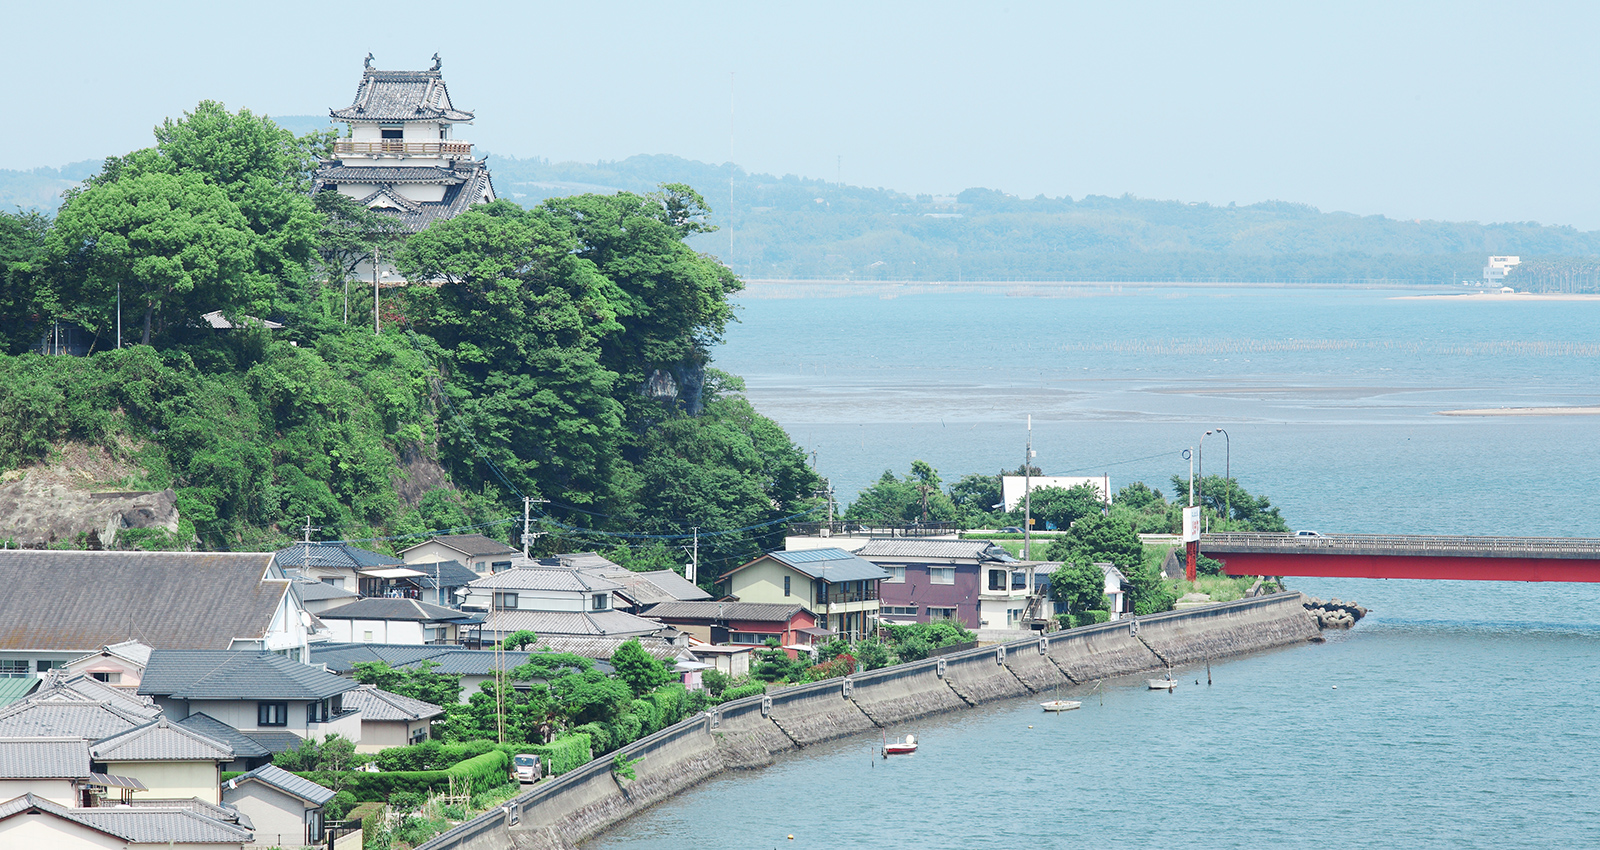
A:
383, 631
49, 831
54, 790
171, 780
279, 818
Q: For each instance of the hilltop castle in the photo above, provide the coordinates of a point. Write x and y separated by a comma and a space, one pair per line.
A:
401, 155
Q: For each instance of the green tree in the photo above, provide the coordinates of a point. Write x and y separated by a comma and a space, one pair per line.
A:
977, 500
25, 296
893, 501
1098, 539
1081, 586
417, 682
178, 245
519, 639
634, 666
1060, 507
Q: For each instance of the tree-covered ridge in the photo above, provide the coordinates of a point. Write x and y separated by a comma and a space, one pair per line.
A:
559, 351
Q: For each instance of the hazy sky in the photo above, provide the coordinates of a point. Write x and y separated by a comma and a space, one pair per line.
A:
1427, 110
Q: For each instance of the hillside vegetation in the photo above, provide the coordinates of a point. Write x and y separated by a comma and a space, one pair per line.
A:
562, 355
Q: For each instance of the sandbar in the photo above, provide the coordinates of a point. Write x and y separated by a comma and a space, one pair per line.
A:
1524, 411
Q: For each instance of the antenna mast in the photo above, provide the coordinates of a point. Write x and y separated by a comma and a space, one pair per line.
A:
1027, 495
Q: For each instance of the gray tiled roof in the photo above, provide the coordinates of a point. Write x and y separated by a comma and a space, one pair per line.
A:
225, 674
592, 562
284, 781
649, 588
343, 657
470, 545
332, 555
161, 740
44, 758
61, 600
602, 648
78, 719
59, 686
901, 548
763, 612
361, 174
316, 591
401, 96
136, 825
830, 565
243, 746
379, 608
378, 704
570, 623
474, 662
448, 573
546, 578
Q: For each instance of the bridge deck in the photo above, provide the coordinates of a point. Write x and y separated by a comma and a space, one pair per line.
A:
1408, 556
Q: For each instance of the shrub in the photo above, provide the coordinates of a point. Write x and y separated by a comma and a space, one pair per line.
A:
743, 691
339, 806
406, 801
715, 681
565, 753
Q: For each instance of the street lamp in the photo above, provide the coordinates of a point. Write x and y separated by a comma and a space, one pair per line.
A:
1227, 468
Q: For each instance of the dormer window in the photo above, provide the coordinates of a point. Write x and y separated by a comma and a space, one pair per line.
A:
601, 602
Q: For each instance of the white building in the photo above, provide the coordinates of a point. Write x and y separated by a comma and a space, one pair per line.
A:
1499, 267
401, 155
1012, 487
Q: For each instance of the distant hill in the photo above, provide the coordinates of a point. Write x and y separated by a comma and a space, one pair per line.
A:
793, 227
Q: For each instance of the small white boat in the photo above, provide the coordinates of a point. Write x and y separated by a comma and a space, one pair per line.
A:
1060, 705
1161, 684
899, 749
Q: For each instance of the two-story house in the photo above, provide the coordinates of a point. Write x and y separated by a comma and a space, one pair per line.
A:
551, 602
251, 691
383, 620
742, 623
973, 582
478, 553
838, 587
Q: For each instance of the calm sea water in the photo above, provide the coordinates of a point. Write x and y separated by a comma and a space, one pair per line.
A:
1456, 715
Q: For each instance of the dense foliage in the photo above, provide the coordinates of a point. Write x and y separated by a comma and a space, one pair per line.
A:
563, 354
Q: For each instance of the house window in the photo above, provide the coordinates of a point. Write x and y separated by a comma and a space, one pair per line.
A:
751, 638
822, 593
272, 714
42, 666
497, 566
941, 575
366, 636
394, 134
941, 613
505, 600
317, 712
314, 826
901, 610
333, 581
419, 735
897, 575
599, 602
109, 677
786, 580
997, 579
13, 669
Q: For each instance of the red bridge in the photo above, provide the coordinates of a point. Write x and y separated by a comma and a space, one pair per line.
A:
1406, 556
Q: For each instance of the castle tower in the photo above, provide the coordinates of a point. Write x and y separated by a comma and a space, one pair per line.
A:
401, 155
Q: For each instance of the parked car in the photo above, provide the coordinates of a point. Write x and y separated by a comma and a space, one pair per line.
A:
528, 768
1011, 529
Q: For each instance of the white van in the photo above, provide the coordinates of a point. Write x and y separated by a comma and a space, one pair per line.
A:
528, 768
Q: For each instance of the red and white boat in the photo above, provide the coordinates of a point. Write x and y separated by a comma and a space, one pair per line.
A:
899, 749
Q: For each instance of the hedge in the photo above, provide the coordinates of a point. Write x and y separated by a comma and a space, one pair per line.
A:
481, 772
559, 756
1083, 618
743, 691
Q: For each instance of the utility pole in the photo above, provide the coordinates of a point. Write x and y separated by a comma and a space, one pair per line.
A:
306, 563
694, 557
375, 326
1027, 495
527, 529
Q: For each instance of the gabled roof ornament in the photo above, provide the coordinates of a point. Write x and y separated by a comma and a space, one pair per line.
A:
437, 62
368, 63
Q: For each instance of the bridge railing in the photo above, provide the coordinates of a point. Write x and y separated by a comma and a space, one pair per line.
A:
1421, 544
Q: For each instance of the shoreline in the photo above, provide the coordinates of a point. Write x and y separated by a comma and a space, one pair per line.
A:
749, 733
1503, 296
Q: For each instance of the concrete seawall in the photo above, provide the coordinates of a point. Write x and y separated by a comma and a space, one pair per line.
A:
748, 733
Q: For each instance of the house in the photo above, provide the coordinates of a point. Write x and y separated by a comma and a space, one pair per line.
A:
838, 587
251, 691
33, 821
375, 620
552, 602
743, 623
319, 596
170, 760
973, 582
401, 158
285, 809
55, 768
440, 582
390, 720
119, 664
62, 605
1116, 590
478, 553
639, 590
727, 660
250, 751
68, 716
338, 564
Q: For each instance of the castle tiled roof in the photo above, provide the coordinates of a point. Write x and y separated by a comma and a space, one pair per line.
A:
401, 96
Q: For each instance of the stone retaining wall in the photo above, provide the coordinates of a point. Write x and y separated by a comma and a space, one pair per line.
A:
560, 812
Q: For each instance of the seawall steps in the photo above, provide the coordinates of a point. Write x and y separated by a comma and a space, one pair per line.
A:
748, 733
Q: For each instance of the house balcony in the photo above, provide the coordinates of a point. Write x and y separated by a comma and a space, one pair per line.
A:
397, 147
840, 597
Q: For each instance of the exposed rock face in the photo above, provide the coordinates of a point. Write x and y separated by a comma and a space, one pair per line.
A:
680, 386
58, 502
